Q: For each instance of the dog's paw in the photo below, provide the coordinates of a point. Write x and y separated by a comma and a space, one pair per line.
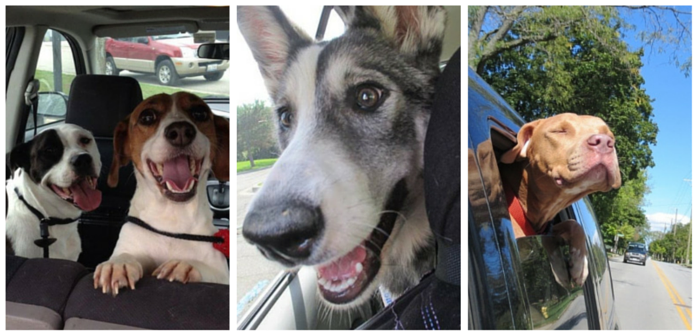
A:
113, 275
178, 270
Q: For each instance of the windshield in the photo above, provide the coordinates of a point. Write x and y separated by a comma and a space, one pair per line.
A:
636, 249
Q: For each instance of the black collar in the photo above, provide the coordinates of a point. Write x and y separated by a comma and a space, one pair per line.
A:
44, 222
189, 237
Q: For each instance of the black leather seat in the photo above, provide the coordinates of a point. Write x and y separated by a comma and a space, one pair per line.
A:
435, 302
97, 103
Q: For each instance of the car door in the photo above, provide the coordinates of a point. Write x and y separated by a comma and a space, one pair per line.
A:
141, 54
119, 49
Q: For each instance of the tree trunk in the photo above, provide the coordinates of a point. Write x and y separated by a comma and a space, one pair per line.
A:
249, 155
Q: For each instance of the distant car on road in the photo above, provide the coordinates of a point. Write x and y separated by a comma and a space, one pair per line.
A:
636, 253
169, 57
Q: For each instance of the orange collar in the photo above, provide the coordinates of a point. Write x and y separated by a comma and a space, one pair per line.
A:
525, 228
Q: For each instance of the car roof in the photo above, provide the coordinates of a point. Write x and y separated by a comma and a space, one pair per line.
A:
121, 21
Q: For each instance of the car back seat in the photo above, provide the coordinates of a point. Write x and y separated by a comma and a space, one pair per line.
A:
37, 291
97, 103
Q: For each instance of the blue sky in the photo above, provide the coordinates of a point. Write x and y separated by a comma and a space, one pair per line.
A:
672, 94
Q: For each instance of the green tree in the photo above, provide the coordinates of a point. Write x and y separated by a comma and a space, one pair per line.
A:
493, 30
548, 60
254, 129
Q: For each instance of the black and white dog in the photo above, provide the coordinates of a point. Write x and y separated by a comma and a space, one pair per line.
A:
55, 174
346, 195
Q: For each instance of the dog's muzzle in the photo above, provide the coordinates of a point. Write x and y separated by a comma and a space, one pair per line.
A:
285, 232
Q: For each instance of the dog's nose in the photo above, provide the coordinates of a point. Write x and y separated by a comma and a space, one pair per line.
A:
82, 164
601, 143
180, 134
285, 232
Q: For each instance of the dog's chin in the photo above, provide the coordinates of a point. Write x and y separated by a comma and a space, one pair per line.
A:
81, 193
177, 178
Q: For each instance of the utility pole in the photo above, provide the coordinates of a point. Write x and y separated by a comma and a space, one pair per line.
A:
690, 231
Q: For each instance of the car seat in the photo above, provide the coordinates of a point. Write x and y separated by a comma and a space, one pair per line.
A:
97, 103
435, 302
37, 291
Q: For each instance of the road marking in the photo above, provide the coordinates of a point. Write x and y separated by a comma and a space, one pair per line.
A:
670, 289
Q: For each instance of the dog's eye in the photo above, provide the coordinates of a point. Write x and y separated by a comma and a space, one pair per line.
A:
199, 114
369, 97
147, 117
559, 131
285, 117
85, 140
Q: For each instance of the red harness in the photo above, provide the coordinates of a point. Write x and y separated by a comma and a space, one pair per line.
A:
517, 212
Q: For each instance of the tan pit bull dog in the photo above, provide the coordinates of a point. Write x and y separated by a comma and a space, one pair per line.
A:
556, 162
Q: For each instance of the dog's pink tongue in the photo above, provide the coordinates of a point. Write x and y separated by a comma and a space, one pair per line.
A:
85, 196
177, 171
344, 267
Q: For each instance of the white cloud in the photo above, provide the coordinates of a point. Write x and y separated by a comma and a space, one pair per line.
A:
661, 221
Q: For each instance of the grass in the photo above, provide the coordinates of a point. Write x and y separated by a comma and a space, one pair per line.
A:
258, 164
46, 79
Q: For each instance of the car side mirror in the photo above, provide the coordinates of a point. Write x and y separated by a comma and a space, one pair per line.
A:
214, 51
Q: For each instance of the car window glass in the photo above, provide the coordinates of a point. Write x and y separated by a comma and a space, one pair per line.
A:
553, 303
55, 71
257, 150
167, 63
600, 273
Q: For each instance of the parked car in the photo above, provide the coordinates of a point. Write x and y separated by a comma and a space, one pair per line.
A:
635, 253
169, 57
511, 285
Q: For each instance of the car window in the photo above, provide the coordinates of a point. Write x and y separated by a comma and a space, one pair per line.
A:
167, 63
257, 151
552, 305
55, 71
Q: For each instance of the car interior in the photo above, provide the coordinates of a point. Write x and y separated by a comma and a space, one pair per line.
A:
291, 301
59, 294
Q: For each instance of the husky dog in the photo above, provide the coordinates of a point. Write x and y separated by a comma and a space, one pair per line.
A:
346, 195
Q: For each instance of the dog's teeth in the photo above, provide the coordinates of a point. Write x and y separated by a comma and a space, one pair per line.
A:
191, 185
169, 187
351, 281
192, 166
159, 167
358, 267
66, 190
322, 281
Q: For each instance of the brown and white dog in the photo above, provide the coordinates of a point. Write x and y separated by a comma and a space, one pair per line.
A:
174, 141
556, 162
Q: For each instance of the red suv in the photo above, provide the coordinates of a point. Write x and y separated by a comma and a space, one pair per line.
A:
169, 57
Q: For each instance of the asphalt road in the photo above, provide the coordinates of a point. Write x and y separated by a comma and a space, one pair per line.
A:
252, 268
656, 296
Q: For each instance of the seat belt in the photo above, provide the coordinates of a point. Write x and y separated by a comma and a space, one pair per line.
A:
31, 99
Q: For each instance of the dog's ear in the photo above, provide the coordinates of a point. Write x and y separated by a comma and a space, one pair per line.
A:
221, 158
122, 153
20, 157
272, 39
522, 140
416, 31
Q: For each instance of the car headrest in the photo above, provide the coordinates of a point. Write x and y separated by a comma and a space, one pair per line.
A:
442, 171
97, 102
